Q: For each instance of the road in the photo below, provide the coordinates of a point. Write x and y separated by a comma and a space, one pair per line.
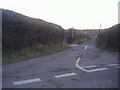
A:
82, 66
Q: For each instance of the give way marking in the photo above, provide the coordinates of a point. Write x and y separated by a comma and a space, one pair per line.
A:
93, 70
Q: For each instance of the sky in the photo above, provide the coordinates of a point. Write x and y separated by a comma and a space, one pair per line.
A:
79, 14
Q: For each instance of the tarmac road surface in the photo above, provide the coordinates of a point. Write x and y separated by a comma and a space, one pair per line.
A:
81, 66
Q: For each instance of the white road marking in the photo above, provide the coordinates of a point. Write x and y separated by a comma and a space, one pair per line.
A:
26, 81
86, 47
77, 65
113, 64
65, 75
98, 69
88, 66
93, 70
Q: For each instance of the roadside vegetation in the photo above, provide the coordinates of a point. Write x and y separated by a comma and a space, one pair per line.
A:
109, 39
14, 55
20, 31
24, 37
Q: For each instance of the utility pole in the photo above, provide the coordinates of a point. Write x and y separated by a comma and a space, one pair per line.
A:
72, 32
100, 27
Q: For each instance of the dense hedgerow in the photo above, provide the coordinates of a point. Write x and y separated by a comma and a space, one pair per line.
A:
109, 39
20, 31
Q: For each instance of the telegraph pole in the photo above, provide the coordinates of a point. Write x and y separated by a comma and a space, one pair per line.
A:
100, 27
118, 30
72, 32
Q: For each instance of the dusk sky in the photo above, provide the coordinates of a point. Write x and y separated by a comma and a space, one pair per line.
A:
79, 14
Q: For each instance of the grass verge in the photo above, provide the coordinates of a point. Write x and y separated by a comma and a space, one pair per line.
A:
12, 56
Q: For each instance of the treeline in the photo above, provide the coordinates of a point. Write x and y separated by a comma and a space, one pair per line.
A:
20, 31
109, 39
75, 36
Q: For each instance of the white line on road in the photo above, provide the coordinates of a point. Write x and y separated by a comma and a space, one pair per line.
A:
26, 81
93, 70
113, 64
86, 47
98, 69
77, 65
65, 75
88, 66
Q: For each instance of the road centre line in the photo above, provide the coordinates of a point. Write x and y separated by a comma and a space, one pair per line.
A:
27, 81
65, 75
86, 47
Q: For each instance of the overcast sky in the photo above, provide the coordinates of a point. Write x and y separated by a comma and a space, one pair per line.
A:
79, 14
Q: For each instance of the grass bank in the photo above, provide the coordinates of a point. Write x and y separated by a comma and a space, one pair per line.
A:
12, 55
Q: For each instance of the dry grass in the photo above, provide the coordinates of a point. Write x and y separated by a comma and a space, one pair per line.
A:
12, 56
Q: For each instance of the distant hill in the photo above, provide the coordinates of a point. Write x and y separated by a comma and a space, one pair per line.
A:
20, 31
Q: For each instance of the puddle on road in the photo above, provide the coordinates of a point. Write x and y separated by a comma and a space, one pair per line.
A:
74, 45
